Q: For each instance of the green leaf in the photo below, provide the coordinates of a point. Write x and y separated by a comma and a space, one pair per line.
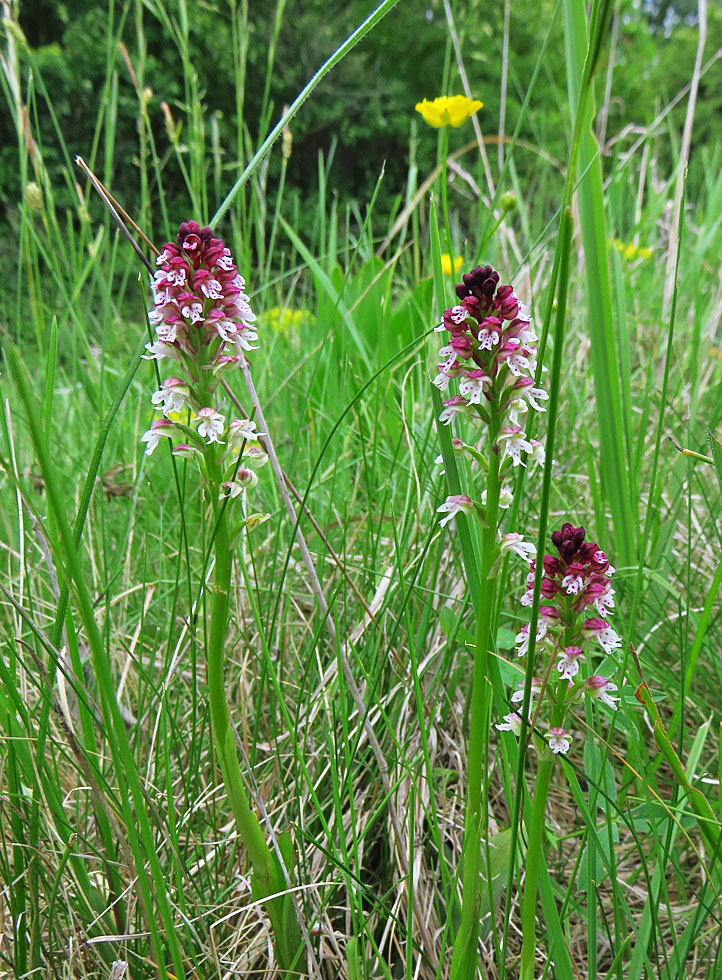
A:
495, 860
716, 450
449, 623
613, 463
353, 964
505, 638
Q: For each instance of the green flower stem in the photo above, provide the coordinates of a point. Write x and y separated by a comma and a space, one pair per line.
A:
269, 883
535, 831
247, 823
484, 623
533, 857
444, 204
464, 960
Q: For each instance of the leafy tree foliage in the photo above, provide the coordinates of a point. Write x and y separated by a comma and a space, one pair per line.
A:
363, 110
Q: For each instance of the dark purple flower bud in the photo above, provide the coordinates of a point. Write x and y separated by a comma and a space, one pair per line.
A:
567, 541
587, 552
461, 344
472, 306
548, 615
506, 302
191, 235
552, 566
481, 283
598, 686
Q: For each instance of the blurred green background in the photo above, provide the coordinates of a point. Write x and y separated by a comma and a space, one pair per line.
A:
362, 114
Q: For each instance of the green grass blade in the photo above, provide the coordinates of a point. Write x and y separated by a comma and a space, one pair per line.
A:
341, 52
613, 466
131, 792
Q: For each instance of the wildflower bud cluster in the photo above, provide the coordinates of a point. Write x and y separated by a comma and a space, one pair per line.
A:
491, 352
576, 582
204, 324
490, 358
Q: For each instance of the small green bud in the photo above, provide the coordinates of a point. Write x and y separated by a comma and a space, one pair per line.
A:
509, 202
253, 520
33, 196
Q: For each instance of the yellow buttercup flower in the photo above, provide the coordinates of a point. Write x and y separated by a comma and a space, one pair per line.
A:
286, 321
630, 251
446, 263
448, 110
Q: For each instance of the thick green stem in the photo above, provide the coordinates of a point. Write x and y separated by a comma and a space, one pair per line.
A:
484, 623
444, 203
464, 960
535, 837
533, 857
247, 823
269, 881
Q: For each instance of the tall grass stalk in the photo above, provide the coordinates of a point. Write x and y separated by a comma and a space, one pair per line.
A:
348, 704
545, 767
152, 891
613, 462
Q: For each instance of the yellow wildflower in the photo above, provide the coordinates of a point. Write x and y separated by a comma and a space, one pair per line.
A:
186, 416
630, 251
448, 110
446, 263
286, 321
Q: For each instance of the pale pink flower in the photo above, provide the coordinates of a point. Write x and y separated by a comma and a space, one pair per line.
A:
457, 405
537, 454
159, 429
185, 451
514, 442
457, 503
210, 424
598, 687
602, 632
473, 385
242, 431
254, 457
172, 396
516, 356
559, 740
511, 723
573, 581
568, 664
516, 543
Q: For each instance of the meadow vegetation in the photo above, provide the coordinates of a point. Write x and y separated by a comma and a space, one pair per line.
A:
367, 654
